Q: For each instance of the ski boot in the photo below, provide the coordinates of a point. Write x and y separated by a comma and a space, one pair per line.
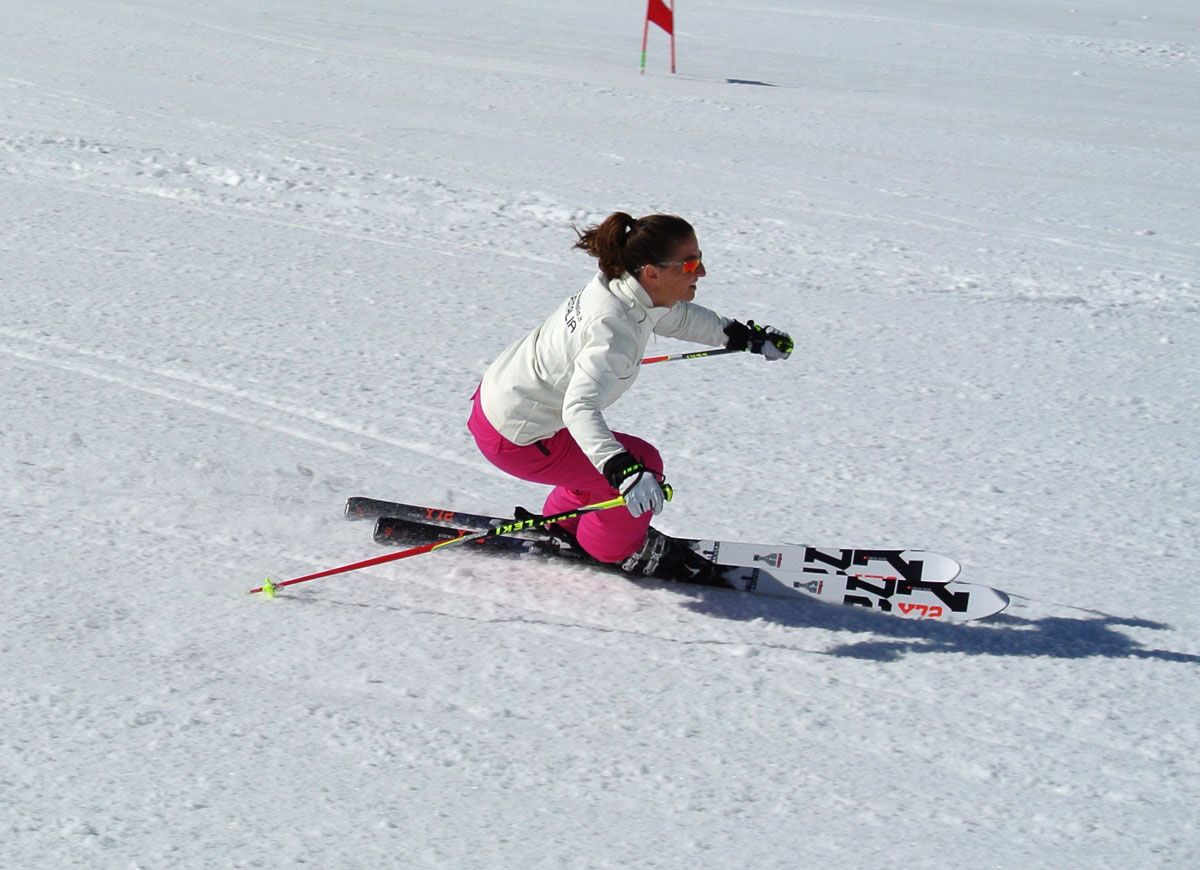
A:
664, 557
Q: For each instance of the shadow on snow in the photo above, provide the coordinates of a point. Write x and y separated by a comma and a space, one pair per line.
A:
891, 638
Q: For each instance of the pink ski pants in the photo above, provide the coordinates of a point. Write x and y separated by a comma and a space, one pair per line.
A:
608, 536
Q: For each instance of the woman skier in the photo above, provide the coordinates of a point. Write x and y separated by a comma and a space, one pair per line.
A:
539, 411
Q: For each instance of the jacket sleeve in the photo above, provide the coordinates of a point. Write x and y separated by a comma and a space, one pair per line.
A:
600, 369
692, 322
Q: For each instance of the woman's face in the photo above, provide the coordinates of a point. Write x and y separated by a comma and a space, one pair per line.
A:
667, 283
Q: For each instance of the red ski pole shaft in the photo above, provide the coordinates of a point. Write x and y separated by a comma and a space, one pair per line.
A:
503, 529
699, 354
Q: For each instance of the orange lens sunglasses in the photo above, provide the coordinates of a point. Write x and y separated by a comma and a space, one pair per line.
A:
688, 265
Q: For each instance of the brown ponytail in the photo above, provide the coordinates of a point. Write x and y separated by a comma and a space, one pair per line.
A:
624, 244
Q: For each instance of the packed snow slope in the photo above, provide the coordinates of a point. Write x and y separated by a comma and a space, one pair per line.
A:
253, 260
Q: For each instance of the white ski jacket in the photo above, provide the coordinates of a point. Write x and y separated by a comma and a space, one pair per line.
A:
581, 360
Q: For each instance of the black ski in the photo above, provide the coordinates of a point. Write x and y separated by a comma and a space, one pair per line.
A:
869, 563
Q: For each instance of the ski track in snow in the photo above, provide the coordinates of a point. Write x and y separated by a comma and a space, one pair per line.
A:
222, 399
252, 261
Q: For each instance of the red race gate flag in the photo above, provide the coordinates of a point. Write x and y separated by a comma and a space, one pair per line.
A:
659, 13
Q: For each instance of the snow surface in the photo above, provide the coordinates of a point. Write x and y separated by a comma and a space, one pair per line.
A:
253, 261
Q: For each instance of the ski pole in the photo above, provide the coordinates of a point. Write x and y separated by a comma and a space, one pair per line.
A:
269, 586
716, 351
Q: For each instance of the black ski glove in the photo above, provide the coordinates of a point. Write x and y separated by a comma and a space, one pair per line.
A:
765, 340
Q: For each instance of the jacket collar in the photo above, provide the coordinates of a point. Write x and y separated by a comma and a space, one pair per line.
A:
630, 291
